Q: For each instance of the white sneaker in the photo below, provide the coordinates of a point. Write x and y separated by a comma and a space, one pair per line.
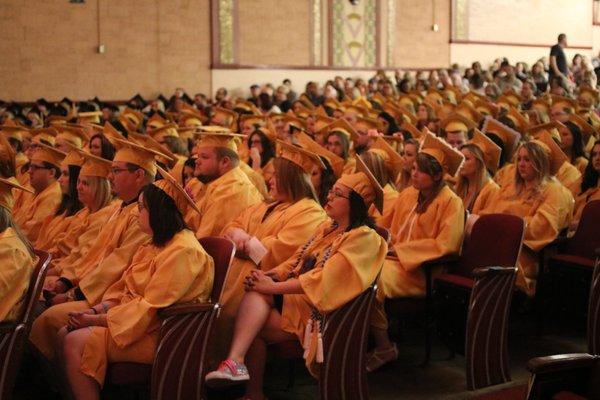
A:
229, 373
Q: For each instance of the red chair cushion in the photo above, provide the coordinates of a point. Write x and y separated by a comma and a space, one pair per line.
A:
288, 350
128, 374
571, 259
567, 396
456, 280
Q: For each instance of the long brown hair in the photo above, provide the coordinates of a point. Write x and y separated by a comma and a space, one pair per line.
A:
293, 181
429, 165
541, 164
376, 165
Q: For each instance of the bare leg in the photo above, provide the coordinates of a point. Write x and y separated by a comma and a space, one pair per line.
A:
257, 353
251, 317
83, 387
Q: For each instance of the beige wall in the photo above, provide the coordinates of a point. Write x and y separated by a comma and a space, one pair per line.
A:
531, 21
526, 21
416, 44
49, 48
274, 32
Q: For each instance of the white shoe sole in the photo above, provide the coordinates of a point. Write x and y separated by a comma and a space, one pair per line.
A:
218, 379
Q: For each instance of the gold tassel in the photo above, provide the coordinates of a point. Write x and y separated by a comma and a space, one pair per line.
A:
307, 337
319, 345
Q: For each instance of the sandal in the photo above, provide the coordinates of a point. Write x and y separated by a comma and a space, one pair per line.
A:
379, 358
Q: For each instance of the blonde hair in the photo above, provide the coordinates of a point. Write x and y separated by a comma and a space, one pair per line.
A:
481, 177
100, 187
541, 165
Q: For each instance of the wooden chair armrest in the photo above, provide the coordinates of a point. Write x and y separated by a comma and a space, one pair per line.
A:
561, 362
7, 327
186, 308
479, 273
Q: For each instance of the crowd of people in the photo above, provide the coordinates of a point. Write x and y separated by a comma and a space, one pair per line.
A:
119, 194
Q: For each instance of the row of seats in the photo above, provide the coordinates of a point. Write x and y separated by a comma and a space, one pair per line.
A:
468, 300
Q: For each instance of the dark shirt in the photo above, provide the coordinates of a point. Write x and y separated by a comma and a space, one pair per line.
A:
561, 60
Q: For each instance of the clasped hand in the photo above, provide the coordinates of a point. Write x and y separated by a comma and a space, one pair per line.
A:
261, 282
81, 319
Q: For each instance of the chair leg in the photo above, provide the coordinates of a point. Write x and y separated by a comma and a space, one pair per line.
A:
291, 375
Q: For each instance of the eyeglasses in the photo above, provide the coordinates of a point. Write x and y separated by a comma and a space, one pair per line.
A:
34, 167
117, 170
337, 193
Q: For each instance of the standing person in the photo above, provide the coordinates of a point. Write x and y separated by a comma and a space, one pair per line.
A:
558, 61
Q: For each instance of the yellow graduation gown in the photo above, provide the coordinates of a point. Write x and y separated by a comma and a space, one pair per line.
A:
102, 265
31, 215
505, 175
349, 166
195, 189
417, 238
485, 195
224, 199
15, 273
581, 163
354, 260
581, 200
256, 178
545, 215
157, 277
390, 194
570, 177
55, 227
281, 228
73, 244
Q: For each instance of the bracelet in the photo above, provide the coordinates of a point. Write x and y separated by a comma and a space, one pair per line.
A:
94, 310
104, 307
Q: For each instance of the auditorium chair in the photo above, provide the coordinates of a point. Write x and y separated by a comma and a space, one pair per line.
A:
472, 299
572, 376
565, 275
14, 334
343, 374
179, 364
422, 308
345, 333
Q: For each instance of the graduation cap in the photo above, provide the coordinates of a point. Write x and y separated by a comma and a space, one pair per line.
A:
57, 110
86, 107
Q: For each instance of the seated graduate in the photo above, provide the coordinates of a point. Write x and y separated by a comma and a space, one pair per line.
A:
271, 230
339, 262
385, 164
16, 255
474, 185
590, 185
539, 198
94, 192
68, 210
426, 222
44, 172
172, 268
